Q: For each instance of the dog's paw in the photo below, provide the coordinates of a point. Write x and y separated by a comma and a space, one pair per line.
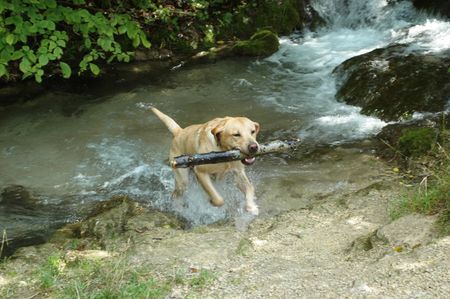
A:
252, 209
177, 194
218, 202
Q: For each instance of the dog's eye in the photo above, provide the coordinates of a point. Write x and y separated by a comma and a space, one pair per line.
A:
253, 131
237, 135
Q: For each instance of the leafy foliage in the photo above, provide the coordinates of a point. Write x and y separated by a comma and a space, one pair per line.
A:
39, 36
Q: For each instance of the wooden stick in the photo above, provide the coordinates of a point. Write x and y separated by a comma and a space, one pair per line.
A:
276, 146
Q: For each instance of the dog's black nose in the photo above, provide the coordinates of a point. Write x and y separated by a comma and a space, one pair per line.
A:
253, 148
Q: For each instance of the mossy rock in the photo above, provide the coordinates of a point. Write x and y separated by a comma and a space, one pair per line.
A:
263, 43
392, 84
417, 142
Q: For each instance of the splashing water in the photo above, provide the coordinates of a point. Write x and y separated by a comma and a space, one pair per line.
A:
114, 145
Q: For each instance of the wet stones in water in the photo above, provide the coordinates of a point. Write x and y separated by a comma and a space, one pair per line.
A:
390, 84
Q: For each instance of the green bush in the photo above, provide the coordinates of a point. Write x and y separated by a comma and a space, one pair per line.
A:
39, 36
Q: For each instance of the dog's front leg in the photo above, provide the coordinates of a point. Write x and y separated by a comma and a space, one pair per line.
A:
181, 181
244, 184
205, 180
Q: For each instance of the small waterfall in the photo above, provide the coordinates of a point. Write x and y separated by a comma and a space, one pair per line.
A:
354, 27
380, 14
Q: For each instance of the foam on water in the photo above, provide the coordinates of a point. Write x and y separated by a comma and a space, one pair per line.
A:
305, 63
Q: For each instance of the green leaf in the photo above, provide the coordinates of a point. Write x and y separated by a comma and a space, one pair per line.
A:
51, 45
87, 43
38, 78
23, 38
3, 70
58, 52
43, 59
25, 66
94, 69
61, 43
31, 56
131, 30
122, 29
136, 41
10, 39
65, 69
16, 55
51, 25
50, 3
145, 41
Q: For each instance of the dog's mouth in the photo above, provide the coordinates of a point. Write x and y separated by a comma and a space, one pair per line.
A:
248, 161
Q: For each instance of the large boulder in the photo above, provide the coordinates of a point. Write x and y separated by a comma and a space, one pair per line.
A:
392, 83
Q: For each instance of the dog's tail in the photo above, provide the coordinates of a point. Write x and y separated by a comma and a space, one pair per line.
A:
173, 127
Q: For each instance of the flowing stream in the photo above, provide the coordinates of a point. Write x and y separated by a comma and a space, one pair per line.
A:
78, 148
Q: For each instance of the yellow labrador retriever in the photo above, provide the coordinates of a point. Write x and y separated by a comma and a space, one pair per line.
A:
219, 134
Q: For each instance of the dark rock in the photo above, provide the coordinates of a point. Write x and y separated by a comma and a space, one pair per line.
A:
391, 85
441, 7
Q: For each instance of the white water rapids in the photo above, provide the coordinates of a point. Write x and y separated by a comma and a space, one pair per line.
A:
115, 147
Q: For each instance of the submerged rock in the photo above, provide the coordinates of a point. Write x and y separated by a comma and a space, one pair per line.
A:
391, 84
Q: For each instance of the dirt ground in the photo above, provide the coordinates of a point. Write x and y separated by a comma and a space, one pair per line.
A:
343, 246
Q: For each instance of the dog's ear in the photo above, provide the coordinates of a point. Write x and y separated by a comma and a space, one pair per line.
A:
257, 127
217, 130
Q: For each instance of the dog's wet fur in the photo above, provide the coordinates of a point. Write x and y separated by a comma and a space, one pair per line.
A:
219, 134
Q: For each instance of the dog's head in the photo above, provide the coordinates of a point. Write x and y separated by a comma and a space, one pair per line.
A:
238, 133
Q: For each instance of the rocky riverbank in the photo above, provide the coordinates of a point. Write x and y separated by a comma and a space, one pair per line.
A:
343, 245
